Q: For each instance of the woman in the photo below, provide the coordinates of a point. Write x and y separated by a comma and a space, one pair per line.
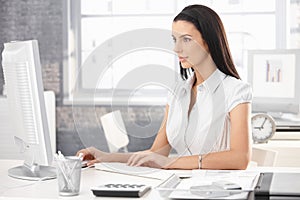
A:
207, 118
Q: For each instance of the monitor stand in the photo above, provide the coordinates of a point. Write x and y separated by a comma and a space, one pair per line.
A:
33, 173
30, 170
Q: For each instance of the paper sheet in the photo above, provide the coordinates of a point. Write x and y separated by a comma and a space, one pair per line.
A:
247, 180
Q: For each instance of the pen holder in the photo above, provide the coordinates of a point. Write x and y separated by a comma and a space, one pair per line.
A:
68, 176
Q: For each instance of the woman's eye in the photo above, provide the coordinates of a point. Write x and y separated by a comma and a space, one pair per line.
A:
174, 40
187, 39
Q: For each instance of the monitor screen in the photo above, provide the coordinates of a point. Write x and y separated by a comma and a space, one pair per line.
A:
275, 79
25, 96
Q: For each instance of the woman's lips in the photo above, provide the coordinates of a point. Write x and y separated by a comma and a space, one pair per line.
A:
182, 59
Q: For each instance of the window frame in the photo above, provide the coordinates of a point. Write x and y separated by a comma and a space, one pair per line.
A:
72, 56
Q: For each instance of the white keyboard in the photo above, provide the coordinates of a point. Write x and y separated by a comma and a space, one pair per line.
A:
123, 168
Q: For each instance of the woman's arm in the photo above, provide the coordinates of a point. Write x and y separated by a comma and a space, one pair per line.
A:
240, 141
237, 157
160, 146
239, 154
95, 155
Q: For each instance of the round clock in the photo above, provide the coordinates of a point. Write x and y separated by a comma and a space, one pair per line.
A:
263, 127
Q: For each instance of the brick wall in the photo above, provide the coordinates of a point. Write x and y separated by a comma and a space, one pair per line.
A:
79, 126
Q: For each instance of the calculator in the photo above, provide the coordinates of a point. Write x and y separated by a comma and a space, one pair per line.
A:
120, 190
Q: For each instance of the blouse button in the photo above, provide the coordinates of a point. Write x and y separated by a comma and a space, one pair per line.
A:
200, 88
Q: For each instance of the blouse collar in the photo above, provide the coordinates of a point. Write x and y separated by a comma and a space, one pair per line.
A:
211, 83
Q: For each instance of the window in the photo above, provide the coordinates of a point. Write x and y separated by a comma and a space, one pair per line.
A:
104, 52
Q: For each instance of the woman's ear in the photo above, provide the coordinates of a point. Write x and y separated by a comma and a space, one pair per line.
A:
206, 46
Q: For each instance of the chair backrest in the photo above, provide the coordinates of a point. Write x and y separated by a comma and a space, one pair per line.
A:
115, 131
264, 157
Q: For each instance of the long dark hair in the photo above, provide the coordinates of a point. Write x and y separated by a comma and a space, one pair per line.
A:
213, 33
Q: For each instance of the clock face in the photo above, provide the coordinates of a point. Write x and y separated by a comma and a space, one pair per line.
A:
263, 127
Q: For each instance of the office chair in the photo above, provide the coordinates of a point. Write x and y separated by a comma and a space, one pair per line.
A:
115, 131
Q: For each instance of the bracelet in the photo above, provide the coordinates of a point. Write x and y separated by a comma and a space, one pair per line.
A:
200, 161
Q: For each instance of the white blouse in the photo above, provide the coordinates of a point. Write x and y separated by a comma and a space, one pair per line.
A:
207, 128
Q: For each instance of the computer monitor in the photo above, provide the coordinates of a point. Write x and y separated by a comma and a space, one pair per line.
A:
25, 95
275, 79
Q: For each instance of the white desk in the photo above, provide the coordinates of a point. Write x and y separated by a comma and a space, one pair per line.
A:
49, 189
11, 188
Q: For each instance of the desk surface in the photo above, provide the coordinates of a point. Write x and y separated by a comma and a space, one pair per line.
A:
15, 188
11, 188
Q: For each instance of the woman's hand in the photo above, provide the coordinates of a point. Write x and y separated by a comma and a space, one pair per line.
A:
93, 155
149, 159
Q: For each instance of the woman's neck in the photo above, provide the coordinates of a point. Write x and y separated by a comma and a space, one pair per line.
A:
204, 71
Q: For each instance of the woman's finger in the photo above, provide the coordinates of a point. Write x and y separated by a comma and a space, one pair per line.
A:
136, 158
86, 154
92, 162
131, 159
143, 161
80, 151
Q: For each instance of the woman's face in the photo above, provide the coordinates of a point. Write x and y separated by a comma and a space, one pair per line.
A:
191, 49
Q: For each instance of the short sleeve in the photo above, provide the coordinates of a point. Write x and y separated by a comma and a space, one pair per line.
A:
242, 93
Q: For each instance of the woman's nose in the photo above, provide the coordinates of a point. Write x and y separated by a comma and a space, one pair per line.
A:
177, 48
